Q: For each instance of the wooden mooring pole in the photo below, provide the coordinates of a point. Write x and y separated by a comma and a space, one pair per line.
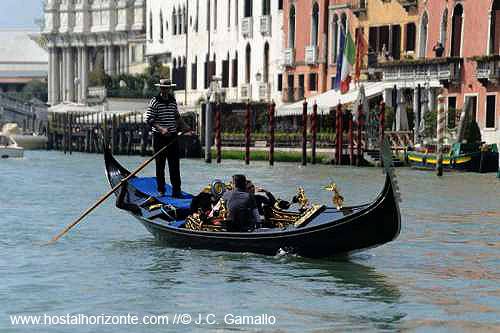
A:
441, 125
351, 141
381, 122
247, 134
314, 128
218, 142
304, 133
361, 123
271, 134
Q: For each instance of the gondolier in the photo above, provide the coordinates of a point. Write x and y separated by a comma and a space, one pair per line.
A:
165, 121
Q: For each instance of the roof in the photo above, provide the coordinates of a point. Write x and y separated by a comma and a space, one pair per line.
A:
17, 46
332, 98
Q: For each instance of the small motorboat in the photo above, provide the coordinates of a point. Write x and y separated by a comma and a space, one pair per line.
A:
9, 147
314, 231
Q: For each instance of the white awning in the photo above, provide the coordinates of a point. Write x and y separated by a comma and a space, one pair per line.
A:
332, 98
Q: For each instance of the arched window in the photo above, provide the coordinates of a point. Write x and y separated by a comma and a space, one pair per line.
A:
266, 63
315, 24
495, 28
150, 25
248, 8
161, 25
444, 28
185, 19
179, 20
266, 7
174, 22
235, 70
456, 30
423, 35
248, 58
335, 37
291, 27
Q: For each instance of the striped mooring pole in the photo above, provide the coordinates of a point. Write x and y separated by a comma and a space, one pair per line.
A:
441, 126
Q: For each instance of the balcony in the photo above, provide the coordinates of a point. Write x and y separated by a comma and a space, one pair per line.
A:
311, 55
359, 7
487, 69
289, 57
264, 91
446, 70
247, 27
246, 91
408, 5
265, 25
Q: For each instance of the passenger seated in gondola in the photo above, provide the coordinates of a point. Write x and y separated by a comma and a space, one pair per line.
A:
265, 203
243, 212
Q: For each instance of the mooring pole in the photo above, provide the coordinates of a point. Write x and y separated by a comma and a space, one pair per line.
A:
360, 134
271, 134
341, 133
381, 129
247, 134
208, 132
314, 132
351, 141
217, 133
441, 125
304, 133
337, 135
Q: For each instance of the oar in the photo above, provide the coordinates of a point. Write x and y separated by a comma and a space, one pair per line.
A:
104, 197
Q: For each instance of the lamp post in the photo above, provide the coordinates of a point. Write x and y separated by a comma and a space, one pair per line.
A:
213, 95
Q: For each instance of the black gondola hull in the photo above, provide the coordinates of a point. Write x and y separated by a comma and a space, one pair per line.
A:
376, 224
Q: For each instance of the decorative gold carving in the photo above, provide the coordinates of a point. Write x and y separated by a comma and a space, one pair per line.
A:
337, 199
302, 198
308, 214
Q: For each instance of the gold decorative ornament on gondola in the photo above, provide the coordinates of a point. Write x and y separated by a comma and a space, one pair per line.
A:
337, 199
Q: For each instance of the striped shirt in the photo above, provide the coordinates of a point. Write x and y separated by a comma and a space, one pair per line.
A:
163, 111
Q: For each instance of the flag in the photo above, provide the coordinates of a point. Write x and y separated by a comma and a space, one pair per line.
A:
361, 50
348, 59
340, 57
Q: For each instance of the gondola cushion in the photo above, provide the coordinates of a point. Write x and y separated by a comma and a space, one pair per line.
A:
147, 185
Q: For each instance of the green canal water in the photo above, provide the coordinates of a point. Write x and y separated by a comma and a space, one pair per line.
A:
441, 275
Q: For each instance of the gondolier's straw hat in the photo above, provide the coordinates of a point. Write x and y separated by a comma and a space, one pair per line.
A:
165, 83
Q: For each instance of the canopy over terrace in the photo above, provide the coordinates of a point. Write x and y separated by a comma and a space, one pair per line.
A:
332, 98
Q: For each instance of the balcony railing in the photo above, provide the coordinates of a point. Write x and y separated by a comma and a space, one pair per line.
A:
265, 25
246, 91
488, 70
359, 7
311, 55
446, 70
247, 27
289, 57
264, 91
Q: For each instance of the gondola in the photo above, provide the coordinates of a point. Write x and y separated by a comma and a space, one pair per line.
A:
317, 232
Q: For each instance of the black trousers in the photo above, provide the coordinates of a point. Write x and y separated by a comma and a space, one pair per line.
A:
172, 154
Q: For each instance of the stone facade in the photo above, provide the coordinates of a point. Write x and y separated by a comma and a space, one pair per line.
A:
239, 41
85, 34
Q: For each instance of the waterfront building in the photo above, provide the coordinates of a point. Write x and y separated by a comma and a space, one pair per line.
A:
238, 41
85, 36
22, 59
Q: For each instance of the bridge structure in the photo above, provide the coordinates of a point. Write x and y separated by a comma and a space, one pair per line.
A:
31, 116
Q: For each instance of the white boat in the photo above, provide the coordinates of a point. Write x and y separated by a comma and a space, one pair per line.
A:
9, 147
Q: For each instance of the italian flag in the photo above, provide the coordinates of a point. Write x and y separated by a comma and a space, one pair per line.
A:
348, 60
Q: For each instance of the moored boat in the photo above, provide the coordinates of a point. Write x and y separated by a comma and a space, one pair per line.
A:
461, 157
318, 231
9, 147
